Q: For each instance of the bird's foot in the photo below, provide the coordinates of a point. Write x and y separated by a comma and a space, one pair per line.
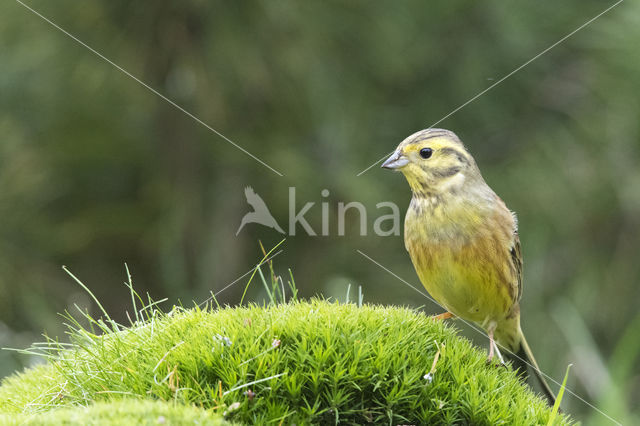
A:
443, 316
496, 362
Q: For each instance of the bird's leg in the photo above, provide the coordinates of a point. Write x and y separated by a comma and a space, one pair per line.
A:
443, 316
493, 346
490, 346
492, 343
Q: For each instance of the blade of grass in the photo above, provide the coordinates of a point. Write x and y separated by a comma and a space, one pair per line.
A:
258, 266
95, 299
266, 287
134, 294
556, 406
292, 285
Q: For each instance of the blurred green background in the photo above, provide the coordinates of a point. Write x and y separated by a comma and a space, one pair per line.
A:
95, 170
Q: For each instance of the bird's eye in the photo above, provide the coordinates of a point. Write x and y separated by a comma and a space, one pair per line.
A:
426, 152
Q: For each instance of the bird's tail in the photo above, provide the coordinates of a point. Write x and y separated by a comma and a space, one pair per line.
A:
524, 357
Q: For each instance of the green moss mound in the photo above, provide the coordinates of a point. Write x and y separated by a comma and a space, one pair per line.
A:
300, 362
123, 412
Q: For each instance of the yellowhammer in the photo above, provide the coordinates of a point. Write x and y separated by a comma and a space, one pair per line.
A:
463, 240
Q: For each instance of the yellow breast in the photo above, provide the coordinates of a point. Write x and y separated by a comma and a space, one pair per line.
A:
461, 255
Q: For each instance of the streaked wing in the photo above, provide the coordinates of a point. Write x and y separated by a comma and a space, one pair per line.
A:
516, 260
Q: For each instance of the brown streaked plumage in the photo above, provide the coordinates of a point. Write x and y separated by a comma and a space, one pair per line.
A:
462, 239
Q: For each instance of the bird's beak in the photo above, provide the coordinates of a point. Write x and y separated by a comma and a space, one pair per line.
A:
396, 161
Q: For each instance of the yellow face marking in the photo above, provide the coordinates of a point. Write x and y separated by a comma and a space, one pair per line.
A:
443, 170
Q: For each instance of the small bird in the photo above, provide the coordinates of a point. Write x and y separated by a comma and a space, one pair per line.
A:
463, 240
260, 213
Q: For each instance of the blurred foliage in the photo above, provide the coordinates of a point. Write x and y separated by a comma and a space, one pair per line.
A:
96, 170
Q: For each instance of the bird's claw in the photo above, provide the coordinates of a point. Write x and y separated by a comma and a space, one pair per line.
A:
495, 361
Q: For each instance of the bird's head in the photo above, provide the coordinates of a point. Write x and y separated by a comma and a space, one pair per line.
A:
433, 161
